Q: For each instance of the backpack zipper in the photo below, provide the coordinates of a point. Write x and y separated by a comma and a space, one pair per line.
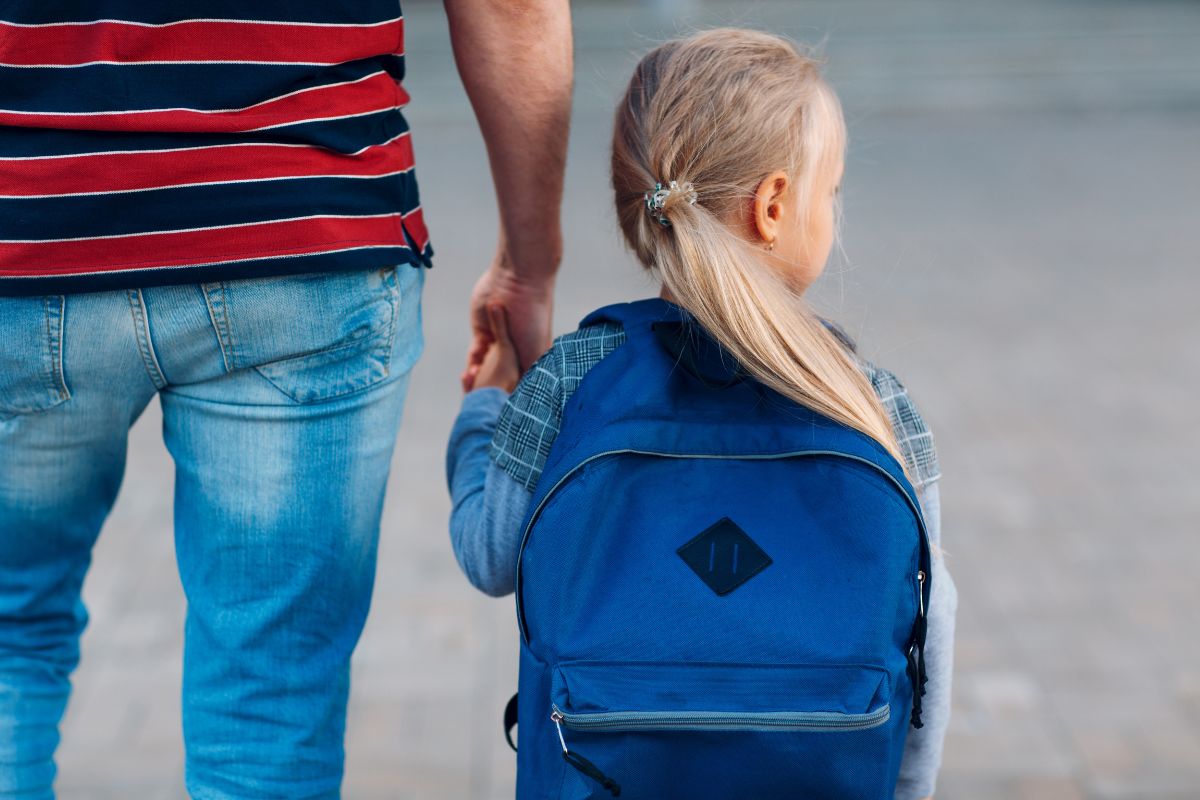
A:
720, 720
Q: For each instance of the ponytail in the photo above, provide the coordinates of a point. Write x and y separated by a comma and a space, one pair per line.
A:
765, 325
718, 111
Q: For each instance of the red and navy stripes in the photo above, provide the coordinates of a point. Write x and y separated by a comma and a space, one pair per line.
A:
73, 44
200, 140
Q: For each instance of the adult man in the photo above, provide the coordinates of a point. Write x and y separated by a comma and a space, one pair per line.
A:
213, 201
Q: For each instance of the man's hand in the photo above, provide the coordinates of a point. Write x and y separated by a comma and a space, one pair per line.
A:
528, 305
515, 60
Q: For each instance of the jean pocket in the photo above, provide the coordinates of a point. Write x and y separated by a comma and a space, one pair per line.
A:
315, 336
31, 354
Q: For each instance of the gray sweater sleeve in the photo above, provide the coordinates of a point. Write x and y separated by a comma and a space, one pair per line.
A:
923, 748
488, 504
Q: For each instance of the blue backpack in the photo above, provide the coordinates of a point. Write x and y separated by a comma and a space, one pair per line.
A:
720, 593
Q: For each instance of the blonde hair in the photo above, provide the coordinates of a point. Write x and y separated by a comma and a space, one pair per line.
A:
722, 110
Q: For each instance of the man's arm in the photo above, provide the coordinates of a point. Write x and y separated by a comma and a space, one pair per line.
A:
515, 60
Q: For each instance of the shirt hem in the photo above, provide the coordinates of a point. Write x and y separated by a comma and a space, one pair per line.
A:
345, 261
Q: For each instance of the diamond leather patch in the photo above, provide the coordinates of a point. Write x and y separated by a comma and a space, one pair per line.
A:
724, 556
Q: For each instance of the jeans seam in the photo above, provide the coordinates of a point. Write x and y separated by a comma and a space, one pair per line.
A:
219, 326
142, 332
396, 299
233, 359
54, 335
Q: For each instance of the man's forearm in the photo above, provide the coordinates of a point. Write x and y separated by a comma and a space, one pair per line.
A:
515, 60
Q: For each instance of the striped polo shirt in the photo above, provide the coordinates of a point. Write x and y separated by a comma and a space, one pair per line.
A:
148, 143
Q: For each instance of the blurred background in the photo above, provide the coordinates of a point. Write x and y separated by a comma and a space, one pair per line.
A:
1022, 246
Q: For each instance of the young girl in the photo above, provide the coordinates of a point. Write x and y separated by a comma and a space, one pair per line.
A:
727, 155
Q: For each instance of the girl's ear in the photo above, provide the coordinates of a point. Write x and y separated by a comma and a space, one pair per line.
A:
768, 212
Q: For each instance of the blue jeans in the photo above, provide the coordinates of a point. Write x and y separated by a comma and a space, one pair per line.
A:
281, 398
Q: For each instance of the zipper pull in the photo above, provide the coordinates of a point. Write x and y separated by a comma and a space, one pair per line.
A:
922, 677
916, 654
556, 717
921, 590
579, 762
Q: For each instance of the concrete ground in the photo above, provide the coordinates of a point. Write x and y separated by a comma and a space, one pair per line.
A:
1021, 246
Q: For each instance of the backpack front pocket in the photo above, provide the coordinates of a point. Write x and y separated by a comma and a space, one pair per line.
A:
663, 730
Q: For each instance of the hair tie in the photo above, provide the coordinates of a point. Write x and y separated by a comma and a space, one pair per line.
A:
656, 200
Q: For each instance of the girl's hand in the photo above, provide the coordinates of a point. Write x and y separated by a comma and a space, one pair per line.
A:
528, 301
500, 366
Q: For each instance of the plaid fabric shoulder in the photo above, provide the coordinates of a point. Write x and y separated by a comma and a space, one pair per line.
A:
912, 434
532, 417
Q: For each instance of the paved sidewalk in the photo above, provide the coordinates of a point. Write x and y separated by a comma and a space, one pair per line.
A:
1021, 202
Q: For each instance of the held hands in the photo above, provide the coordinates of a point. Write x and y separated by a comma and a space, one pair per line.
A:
527, 305
499, 366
